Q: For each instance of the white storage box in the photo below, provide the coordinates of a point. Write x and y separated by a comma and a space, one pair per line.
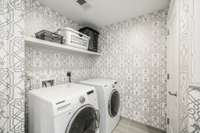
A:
75, 38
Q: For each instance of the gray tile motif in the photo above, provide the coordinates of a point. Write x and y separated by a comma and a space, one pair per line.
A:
189, 103
11, 66
40, 17
194, 110
42, 63
140, 68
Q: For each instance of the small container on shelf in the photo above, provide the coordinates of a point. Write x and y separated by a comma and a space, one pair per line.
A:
49, 36
94, 35
74, 38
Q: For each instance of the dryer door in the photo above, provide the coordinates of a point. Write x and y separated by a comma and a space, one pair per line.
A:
114, 103
85, 120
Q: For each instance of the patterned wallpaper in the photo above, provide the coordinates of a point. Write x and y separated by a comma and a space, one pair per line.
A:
42, 63
11, 66
189, 98
134, 53
185, 30
40, 17
193, 110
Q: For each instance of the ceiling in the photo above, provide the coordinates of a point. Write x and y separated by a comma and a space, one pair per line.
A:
105, 12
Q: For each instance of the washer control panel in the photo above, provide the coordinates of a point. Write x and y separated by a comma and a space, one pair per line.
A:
62, 105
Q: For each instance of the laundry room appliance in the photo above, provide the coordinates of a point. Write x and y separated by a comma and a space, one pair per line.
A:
109, 103
69, 108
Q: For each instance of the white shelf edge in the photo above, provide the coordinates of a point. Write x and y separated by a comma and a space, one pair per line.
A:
37, 42
194, 86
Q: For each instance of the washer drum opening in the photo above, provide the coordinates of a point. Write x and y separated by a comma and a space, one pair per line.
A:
86, 120
114, 103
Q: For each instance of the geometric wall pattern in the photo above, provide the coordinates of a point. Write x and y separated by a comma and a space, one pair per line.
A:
40, 17
42, 63
134, 53
189, 103
11, 66
194, 110
185, 32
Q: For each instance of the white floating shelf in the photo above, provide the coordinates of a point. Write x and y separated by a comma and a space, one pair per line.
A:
31, 41
195, 86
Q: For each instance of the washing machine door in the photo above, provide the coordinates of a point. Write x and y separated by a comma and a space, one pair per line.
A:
114, 103
85, 120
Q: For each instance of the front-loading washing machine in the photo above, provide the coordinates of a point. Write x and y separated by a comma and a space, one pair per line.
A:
109, 103
69, 108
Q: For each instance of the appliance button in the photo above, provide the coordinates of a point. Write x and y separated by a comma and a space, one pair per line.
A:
82, 99
69, 113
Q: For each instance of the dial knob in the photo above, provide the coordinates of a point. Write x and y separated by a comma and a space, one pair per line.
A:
82, 99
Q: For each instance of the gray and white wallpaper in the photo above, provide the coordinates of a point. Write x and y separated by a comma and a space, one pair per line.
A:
42, 63
40, 17
11, 66
184, 55
134, 53
189, 102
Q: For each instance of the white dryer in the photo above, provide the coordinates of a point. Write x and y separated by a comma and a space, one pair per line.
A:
109, 103
69, 108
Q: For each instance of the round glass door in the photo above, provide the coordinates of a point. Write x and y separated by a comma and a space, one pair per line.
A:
114, 103
85, 121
